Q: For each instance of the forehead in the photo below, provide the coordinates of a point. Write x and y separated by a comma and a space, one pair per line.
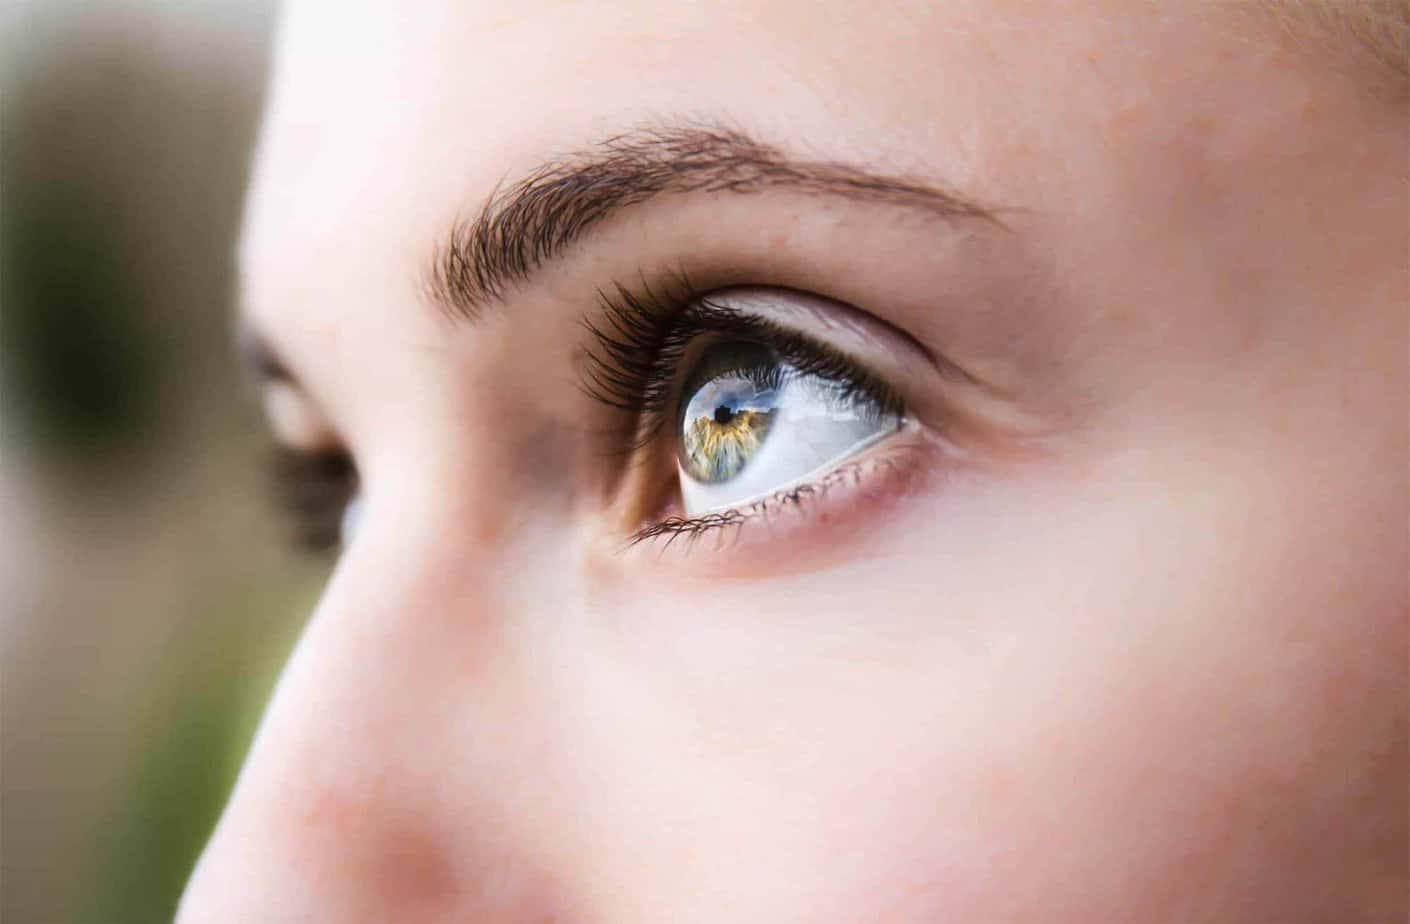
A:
387, 122
399, 106
395, 108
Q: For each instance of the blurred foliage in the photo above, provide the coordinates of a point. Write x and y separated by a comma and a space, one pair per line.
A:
199, 726
140, 641
78, 346
79, 363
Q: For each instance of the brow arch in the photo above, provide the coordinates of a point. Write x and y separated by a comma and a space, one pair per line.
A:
537, 217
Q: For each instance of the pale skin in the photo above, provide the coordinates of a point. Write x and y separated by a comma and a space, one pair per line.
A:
1128, 642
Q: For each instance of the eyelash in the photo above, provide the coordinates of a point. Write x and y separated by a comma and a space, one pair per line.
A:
634, 367
693, 528
638, 347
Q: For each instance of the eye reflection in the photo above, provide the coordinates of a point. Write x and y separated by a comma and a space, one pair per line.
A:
728, 418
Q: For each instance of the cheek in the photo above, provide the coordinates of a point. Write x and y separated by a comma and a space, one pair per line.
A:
1083, 699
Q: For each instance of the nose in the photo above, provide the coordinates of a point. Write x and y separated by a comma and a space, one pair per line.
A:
378, 787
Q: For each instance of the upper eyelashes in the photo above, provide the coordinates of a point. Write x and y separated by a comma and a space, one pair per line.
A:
641, 341
749, 407
735, 408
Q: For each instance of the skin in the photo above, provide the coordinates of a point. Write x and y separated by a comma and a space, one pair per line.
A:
1127, 643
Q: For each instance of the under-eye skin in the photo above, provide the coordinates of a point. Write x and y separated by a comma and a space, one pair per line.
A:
756, 418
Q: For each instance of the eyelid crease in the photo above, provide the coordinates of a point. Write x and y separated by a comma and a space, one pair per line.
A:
844, 328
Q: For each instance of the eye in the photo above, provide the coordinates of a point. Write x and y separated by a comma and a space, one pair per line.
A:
749, 404
318, 490
313, 476
752, 424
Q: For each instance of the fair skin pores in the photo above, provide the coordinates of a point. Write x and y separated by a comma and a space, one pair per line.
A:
1111, 627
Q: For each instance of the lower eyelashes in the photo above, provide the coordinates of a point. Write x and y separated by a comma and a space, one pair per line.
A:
834, 507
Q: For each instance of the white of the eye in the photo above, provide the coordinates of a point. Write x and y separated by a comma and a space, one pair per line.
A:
815, 427
352, 516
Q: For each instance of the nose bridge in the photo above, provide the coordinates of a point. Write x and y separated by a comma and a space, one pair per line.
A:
367, 789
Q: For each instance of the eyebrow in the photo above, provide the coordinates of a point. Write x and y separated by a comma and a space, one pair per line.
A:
258, 357
538, 217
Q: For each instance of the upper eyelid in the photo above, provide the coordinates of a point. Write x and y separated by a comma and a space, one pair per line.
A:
848, 330
630, 319
814, 355
295, 421
258, 357
268, 370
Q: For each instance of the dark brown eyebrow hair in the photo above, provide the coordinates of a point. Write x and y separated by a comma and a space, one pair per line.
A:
539, 216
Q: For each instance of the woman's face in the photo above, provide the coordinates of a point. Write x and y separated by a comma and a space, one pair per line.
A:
1015, 529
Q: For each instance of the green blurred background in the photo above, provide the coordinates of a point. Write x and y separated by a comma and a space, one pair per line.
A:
149, 590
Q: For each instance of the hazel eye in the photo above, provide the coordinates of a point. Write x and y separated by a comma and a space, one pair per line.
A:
727, 417
752, 424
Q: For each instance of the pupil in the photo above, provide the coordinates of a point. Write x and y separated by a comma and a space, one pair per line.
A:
723, 414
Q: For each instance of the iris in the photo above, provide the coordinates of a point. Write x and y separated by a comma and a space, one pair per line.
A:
725, 424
